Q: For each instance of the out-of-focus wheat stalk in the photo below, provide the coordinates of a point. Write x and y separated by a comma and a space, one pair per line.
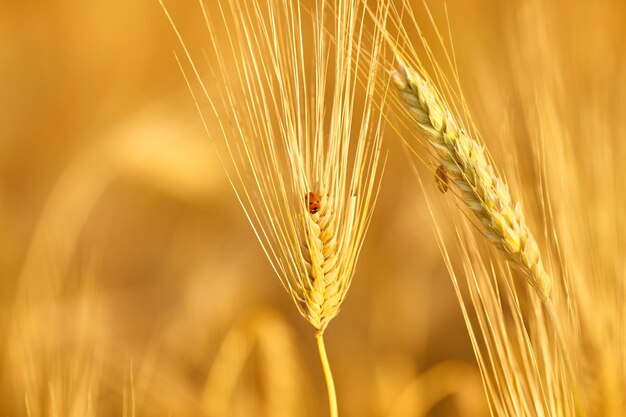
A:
57, 348
580, 162
266, 333
299, 141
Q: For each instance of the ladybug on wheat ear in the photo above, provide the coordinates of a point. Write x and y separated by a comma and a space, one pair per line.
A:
441, 178
313, 201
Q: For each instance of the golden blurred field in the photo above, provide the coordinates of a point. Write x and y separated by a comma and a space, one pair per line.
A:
132, 283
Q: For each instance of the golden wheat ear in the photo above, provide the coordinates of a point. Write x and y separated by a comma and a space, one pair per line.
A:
301, 148
467, 166
301, 144
517, 340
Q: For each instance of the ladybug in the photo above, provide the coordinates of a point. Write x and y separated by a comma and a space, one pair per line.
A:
441, 178
313, 200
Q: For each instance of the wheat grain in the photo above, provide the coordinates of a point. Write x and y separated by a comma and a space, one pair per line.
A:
467, 166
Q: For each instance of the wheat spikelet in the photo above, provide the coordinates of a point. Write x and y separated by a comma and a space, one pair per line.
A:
467, 166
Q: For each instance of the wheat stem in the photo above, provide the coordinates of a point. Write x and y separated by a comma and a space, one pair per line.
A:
328, 375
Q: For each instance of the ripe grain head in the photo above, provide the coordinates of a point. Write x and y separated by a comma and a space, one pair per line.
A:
289, 121
526, 369
479, 187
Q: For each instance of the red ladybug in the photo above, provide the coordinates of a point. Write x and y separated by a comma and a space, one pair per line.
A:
314, 202
441, 178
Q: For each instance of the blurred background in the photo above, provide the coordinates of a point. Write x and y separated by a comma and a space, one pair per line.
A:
131, 281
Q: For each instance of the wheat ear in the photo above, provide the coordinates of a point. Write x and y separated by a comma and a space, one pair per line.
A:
320, 250
300, 143
467, 166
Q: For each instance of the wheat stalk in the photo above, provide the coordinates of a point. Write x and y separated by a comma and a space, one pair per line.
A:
466, 164
523, 372
301, 152
521, 369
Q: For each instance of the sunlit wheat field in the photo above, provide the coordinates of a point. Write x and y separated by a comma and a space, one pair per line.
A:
479, 230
